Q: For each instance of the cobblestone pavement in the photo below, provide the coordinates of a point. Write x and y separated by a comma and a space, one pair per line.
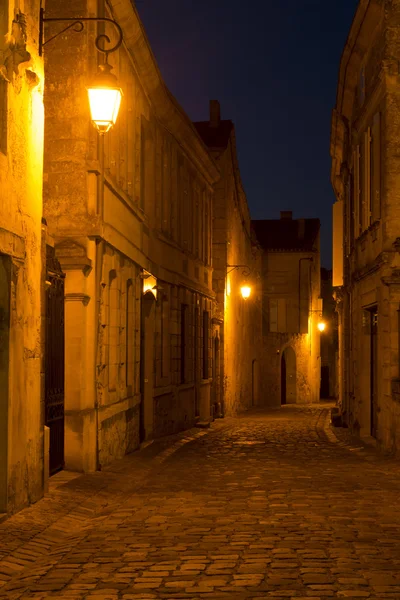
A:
268, 505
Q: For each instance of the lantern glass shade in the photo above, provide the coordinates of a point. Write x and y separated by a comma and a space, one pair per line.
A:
104, 105
245, 290
321, 326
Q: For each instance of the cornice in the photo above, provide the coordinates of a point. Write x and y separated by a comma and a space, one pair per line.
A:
371, 268
166, 108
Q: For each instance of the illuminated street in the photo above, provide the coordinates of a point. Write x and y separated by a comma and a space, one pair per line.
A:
267, 505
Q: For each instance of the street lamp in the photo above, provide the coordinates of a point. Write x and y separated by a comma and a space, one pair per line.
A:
321, 326
104, 93
104, 99
245, 290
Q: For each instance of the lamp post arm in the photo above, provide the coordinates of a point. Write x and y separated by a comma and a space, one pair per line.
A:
78, 25
246, 269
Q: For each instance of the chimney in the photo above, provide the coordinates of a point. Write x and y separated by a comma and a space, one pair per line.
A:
215, 113
286, 215
301, 229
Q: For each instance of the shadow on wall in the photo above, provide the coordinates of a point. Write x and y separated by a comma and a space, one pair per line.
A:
288, 376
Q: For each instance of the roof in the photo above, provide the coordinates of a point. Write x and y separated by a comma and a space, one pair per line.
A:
285, 234
215, 137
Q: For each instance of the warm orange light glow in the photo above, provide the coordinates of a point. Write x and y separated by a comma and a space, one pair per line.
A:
321, 326
104, 106
245, 290
149, 284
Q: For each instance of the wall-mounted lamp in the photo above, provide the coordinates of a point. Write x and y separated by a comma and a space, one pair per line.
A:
149, 284
321, 326
246, 269
245, 290
104, 93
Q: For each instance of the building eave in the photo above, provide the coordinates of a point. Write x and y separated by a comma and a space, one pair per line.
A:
166, 108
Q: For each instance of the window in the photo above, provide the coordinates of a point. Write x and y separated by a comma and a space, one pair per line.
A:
277, 315
129, 334
184, 341
164, 337
206, 323
367, 178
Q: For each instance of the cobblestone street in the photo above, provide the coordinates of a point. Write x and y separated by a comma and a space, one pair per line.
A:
267, 505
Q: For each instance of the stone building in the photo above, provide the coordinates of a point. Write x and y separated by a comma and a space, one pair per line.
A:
291, 308
365, 176
21, 155
236, 321
134, 242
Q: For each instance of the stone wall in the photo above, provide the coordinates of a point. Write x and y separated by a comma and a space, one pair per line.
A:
132, 205
291, 292
240, 318
367, 116
21, 148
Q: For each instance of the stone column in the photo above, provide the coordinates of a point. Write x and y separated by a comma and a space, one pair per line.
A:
81, 320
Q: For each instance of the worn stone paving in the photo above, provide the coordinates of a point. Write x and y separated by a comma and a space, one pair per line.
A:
268, 505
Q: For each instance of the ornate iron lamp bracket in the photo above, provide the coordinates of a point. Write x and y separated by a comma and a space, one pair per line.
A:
77, 24
246, 270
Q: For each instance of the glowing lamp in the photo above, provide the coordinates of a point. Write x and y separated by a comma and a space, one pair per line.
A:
104, 99
245, 290
321, 326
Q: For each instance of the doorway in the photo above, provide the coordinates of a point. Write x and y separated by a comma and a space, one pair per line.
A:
54, 360
324, 390
147, 332
288, 376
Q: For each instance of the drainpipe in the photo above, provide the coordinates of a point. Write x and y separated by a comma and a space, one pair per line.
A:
310, 258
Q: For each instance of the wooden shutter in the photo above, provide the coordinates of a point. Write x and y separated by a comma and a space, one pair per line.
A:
273, 315
356, 158
282, 315
367, 180
376, 168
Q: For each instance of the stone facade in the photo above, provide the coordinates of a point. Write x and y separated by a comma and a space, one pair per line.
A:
237, 321
365, 177
291, 309
133, 237
21, 151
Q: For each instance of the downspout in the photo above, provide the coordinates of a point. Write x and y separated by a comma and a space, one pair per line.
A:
310, 258
99, 252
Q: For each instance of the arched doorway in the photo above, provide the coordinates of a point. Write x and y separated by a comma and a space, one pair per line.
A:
288, 376
147, 365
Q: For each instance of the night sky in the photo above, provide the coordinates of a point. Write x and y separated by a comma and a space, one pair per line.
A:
273, 66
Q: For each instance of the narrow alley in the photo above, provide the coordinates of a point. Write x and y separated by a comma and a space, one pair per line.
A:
271, 504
